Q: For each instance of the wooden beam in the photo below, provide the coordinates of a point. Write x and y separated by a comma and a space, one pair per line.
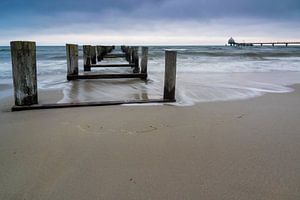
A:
106, 76
113, 65
121, 55
23, 55
88, 104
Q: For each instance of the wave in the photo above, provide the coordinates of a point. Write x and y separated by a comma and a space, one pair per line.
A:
261, 55
191, 88
58, 57
191, 59
175, 49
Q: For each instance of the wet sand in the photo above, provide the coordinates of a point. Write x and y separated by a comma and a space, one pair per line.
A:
5, 87
247, 149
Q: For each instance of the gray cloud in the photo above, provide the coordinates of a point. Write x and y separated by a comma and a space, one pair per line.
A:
21, 18
162, 9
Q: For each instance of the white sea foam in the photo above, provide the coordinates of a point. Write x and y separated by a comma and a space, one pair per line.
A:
191, 88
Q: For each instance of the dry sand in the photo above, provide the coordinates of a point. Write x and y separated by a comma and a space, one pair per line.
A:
246, 149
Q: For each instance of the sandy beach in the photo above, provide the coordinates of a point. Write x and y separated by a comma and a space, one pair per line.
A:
246, 149
212, 93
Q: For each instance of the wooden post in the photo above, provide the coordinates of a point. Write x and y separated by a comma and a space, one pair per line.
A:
99, 53
93, 55
144, 60
72, 59
123, 48
87, 57
23, 55
170, 75
135, 57
109, 49
128, 54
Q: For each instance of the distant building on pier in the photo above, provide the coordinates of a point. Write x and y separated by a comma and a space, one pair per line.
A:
231, 41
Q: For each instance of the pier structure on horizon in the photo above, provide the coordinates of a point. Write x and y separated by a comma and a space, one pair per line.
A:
232, 42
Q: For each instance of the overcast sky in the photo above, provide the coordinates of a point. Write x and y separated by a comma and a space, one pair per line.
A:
148, 21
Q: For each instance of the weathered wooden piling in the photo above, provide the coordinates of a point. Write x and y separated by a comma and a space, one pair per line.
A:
109, 49
93, 55
72, 59
170, 75
144, 61
87, 57
135, 60
23, 55
123, 48
132, 55
99, 53
129, 54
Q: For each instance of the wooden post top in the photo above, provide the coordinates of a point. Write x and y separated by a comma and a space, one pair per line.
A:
171, 51
18, 45
71, 44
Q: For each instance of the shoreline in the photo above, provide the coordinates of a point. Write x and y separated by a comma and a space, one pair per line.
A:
190, 90
50, 96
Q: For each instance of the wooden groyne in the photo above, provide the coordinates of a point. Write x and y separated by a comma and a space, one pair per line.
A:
232, 42
24, 69
92, 54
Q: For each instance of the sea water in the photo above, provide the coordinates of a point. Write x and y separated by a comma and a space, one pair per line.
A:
204, 73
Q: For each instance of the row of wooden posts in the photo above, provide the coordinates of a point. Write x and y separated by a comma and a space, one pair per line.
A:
24, 68
92, 54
